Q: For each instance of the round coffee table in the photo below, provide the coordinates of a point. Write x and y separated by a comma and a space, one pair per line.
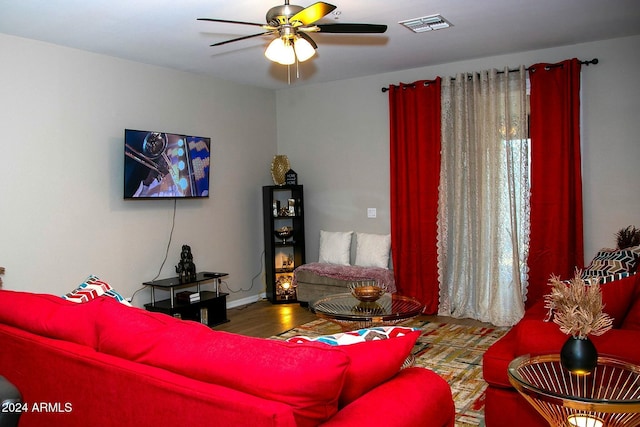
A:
350, 313
608, 397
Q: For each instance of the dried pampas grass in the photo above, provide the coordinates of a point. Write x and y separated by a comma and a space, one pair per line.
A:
628, 237
577, 307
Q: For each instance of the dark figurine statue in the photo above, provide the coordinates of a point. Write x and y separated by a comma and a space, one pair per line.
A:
186, 269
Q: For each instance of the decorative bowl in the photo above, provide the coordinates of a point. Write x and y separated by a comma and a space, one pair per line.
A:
283, 233
367, 291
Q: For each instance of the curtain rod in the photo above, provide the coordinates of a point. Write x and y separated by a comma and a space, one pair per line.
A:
594, 61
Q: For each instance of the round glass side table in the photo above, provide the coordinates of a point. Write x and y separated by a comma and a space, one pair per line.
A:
608, 397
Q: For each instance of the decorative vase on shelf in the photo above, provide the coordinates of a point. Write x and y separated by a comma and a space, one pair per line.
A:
576, 306
579, 355
279, 167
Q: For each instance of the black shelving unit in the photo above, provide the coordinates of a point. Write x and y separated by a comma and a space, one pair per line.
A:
283, 206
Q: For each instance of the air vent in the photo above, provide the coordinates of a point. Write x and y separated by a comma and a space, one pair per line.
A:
426, 23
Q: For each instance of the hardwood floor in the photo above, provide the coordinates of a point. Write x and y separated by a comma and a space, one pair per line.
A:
263, 319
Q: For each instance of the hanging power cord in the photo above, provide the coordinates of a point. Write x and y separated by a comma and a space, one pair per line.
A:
261, 270
166, 254
252, 283
252, 280
173, 226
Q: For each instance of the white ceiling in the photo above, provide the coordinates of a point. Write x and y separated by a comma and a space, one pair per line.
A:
166, 33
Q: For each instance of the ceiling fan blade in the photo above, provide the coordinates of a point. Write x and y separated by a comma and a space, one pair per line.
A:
352, 28
311, 14
308, 38
240, 38
230, 22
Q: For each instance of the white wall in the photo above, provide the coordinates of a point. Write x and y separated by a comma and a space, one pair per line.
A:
62, 117
63, 216
336, 136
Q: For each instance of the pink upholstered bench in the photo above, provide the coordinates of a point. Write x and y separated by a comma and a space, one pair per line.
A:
318, 280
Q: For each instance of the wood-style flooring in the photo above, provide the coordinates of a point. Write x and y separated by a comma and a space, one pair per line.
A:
263, 319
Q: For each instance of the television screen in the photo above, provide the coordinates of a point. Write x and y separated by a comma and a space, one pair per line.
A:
165, 165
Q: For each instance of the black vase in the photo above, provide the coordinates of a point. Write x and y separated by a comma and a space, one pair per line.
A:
579, 355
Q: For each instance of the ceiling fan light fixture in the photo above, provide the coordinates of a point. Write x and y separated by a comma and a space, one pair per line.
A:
291, 25
281, 52
304, 49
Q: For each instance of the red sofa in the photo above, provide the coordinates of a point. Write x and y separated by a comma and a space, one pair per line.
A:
102, 363
532, 335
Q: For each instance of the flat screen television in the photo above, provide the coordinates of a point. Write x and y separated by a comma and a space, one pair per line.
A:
165, 165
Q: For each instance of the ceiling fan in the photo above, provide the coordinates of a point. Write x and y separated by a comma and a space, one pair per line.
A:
291, 23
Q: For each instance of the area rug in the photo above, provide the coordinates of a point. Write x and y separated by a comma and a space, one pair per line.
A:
453, 351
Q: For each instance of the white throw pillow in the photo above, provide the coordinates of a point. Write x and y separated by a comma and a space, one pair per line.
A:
335, 247
373, 250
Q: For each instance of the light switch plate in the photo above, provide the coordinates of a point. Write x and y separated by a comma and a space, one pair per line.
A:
372, 212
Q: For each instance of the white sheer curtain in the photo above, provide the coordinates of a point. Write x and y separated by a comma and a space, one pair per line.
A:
483, 223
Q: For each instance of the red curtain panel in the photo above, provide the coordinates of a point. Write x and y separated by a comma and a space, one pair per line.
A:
556, 241
415, 174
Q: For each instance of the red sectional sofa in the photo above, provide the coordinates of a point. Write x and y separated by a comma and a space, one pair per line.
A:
532, 335
102, 363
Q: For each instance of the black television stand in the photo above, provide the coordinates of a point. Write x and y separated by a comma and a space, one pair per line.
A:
210, 310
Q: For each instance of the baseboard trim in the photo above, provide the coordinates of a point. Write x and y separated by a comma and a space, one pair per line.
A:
246, 301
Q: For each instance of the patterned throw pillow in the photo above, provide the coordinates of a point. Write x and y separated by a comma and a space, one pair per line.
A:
609, 261
605, 279
376, 354
115, 295
361, 335
93, 288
